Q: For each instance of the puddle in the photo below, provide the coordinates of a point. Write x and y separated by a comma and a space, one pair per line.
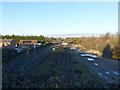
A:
89, 55
116, 73
110, 79
83, 55
53, 49
95, 64
112, 72
101, 75
90, 59
73, 48
107, 72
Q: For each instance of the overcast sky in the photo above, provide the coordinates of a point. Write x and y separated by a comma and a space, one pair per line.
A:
36, 18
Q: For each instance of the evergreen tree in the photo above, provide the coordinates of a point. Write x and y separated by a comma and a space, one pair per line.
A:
107, 52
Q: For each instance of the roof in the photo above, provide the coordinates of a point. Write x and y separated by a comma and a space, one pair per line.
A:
28, 40
25, 41
6, 40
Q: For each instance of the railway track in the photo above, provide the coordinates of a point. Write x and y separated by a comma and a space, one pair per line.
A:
63, 60
22, 65
34, 63
21, 58
69, 66
65, 66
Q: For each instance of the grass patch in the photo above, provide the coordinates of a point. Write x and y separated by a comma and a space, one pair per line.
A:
60, 49
80, 66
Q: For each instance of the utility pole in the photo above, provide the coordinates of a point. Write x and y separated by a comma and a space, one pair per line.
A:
34, 49
34, 52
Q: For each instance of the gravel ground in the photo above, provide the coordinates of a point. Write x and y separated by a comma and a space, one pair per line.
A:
105, 68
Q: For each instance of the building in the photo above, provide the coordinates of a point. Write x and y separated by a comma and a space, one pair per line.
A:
28, 42
7, 43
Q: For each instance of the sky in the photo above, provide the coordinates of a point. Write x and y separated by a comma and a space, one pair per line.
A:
46, 18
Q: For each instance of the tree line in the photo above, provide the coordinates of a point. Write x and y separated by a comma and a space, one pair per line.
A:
99, 43
17, 38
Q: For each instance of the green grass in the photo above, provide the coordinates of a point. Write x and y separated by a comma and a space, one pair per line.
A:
80, 66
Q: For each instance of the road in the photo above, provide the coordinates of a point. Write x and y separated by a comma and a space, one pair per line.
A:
105, 68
